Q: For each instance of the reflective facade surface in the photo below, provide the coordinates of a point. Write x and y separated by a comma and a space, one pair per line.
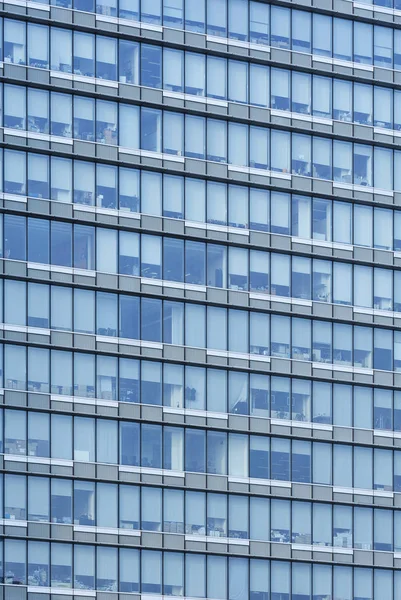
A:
200, 300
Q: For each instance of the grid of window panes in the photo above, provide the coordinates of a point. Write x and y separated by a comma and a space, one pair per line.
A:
200, 300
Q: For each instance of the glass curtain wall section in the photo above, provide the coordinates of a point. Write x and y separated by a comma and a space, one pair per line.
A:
200, 300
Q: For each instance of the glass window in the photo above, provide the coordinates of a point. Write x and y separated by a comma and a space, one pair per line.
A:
216, 452
301, 31
322, 460
280, 579
106, 123
38, 176
106, 430
84, 118
106, 314
61, 569
237, 80
84, 567
173, 263
259, 83
259, 518
15, 497
14, 181
84, 439
322, 280
14, 42
383, 349
151, 509
363, 165
342, 526
238, 144
322, 343
15, 562
129, 444
238, 20
129, 569
301, 339
129, 506
363, 103
84, 311
342, 100
107, 567
322, 96
38, 46
363, 43
14, 107
195, 142
342, 39
61, 501
383, 107
301, 461
342, 222
173, 511
280, 160
195, 16
301, 400
322, 581
280, 89
259, 23
217, 18
39, 499
280, 27
61, 179
128, 62
301, 99
322, 35
151, 446
383, 47
106, 502
322, 158
38, 373
280, 460
38, 111
106, 57
216, 390
61, 49
383, 169
363, 225
280, 397
128, 380
106, 250
15, 367
342, 162
84, 183
84, 247
280, 336
151, 61
61, 372
301, 155
195, 451
216, 141
259, 459
322, 525
173, 133
216, 206
15, 308
61, 115
84, 54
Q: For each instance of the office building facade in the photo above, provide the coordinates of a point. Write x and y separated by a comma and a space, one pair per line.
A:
200, 298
